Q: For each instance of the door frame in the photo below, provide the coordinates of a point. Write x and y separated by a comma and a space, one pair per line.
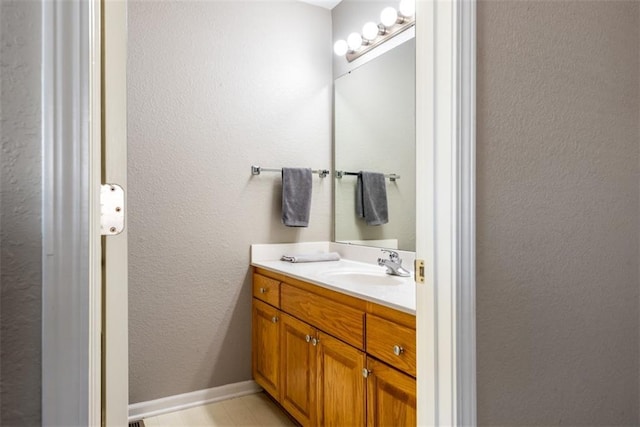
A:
84, 302
445, 210
71, 270
71, 139
445, 157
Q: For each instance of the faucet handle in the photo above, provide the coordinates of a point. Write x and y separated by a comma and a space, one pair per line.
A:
393, 255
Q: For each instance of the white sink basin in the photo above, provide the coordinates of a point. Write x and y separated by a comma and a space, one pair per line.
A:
363, 277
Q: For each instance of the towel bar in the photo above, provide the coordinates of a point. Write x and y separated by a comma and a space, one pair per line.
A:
392, 176
256, 170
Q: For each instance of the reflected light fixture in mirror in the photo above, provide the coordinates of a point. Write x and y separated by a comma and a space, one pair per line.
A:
391, 24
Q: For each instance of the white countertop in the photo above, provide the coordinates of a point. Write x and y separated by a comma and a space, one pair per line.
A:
398, 293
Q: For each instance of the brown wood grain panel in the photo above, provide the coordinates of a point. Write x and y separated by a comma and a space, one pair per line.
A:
341, 393
334, 318
266, 346
342, 298
298, 360
391, 397
400, 317
383, 335
267, 289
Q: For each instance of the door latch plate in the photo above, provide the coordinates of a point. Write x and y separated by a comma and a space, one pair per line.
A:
419, 270
111, 209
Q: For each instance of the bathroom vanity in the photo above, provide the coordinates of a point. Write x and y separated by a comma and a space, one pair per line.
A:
335, 343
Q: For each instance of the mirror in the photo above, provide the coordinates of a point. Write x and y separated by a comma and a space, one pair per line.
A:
374, 130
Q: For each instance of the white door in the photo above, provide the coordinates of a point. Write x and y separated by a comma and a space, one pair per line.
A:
115, 390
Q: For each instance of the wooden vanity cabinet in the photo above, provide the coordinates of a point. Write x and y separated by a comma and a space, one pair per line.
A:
331, 359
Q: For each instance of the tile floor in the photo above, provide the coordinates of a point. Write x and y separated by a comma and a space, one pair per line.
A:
252, 410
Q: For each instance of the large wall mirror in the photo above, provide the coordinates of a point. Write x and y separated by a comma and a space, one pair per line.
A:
375, 132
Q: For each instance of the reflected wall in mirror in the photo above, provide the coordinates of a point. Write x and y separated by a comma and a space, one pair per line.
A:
375, 131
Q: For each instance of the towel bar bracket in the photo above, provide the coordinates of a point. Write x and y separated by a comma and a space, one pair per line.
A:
339, 174
257, 170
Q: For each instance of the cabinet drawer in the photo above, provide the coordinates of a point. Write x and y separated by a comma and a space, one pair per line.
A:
332, 317
266, 289
392, 343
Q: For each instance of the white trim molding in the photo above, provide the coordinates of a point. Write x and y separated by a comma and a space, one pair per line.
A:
179, 402
466, 293
71, 293
445, 208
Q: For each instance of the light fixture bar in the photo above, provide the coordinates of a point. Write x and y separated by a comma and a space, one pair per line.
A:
407, 23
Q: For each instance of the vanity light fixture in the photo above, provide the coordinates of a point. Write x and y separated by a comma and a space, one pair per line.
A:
407, 8
393, 22
388, 17
340, 48
371, 30
354, 41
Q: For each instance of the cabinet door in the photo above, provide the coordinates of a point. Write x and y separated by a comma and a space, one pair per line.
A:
266, 346
341, 385
391, 396
298, 367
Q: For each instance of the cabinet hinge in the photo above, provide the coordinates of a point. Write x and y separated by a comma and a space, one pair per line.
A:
111, 209
419, 270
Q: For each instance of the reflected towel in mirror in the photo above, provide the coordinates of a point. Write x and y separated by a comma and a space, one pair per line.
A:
327, 256
371, 198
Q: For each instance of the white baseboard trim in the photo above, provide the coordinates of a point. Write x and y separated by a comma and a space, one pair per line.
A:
178, 402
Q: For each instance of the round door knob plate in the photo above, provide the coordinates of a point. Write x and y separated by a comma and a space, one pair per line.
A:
307, 338
274, 319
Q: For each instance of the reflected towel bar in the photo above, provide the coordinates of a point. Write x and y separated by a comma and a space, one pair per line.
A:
256, 170
392, 176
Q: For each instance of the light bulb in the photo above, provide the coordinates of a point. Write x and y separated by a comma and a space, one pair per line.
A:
370, 30
340, 47
407, 7
388, 16
354, 41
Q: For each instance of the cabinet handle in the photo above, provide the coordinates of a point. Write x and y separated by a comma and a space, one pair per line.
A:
274, 319
263, 290
398, 350
307, 338
366, 372
315, 341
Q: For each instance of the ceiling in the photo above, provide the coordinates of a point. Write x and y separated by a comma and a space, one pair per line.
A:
327, 4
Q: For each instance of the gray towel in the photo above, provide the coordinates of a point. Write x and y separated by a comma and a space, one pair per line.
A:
327, 256
371, 198
296, 196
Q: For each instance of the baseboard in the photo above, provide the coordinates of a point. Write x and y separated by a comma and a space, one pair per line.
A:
178, 402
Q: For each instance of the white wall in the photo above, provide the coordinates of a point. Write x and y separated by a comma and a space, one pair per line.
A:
557, 212
20, 214
215, 87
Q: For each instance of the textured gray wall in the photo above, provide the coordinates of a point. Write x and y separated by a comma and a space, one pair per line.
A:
215, 87
20, 213
557, 213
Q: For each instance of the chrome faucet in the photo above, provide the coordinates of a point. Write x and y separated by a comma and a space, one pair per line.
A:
393, 264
